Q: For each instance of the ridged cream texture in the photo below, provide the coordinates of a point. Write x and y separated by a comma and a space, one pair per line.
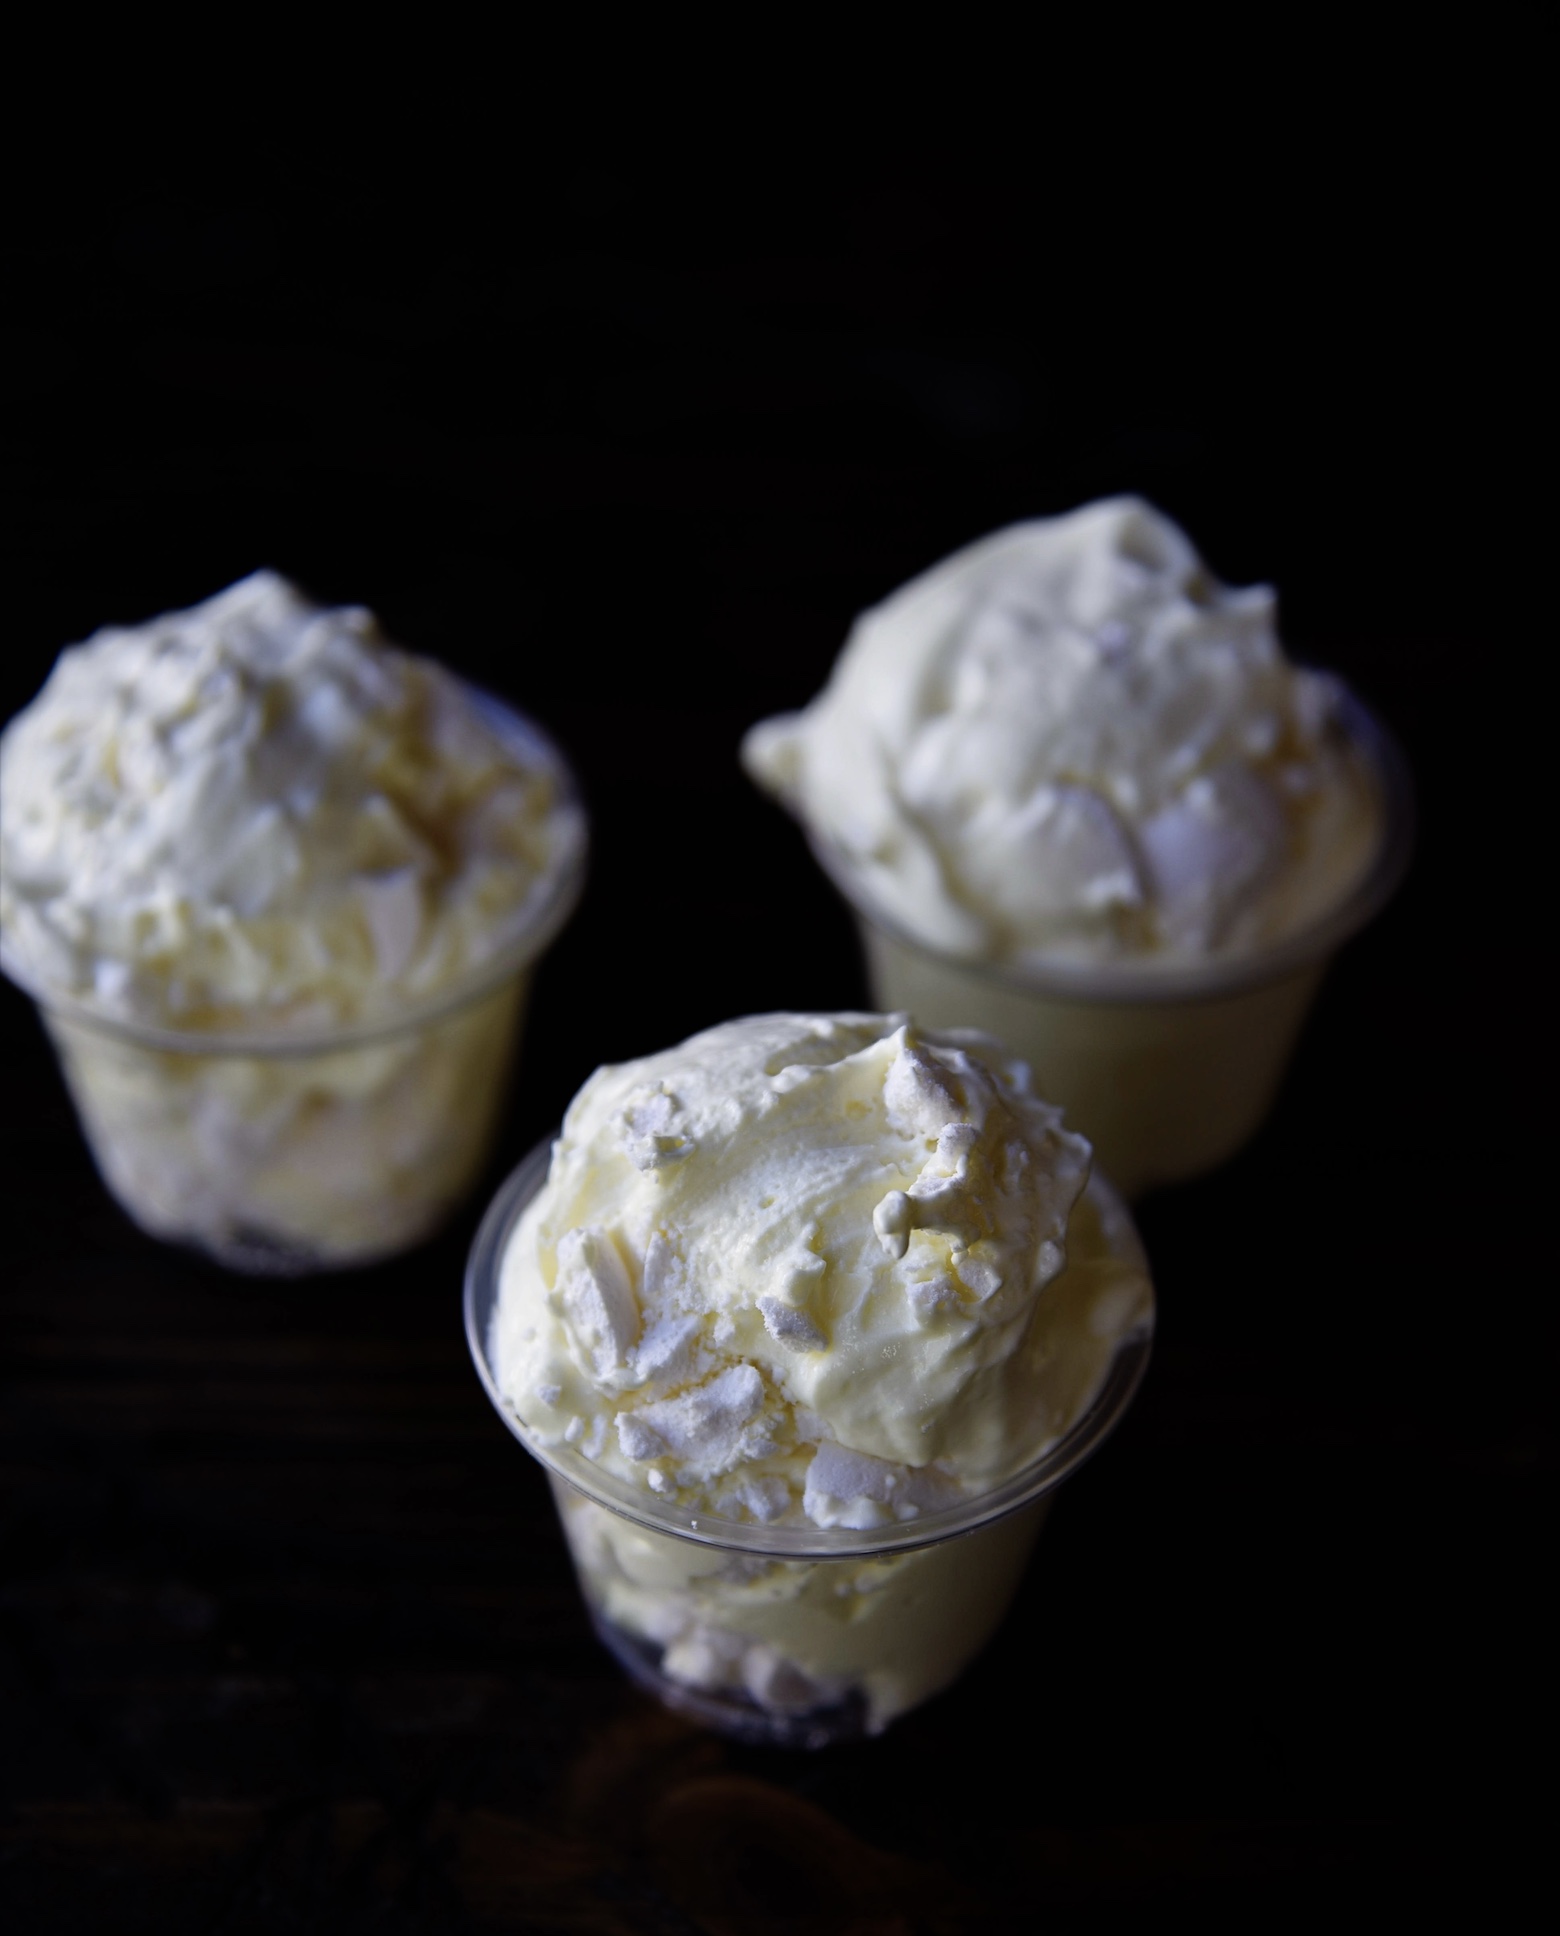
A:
1070, 740
257, 813
814, 1267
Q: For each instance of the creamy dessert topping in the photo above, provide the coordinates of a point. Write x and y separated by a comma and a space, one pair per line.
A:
1069, 740
256, 813
814, 1268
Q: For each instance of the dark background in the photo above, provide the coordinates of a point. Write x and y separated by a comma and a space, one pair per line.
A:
288, 1640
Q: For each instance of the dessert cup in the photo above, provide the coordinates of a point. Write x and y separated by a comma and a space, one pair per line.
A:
1168, 1070
791, 1635
281, 1153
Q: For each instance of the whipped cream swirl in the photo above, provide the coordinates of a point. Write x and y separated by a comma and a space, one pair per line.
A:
1069, 740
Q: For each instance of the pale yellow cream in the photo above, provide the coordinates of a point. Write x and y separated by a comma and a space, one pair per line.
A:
1069, 742
257, 820
257, 814
818, 1268
811, 1270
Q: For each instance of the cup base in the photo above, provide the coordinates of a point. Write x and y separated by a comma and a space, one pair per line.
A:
254, 1253
726, 1711
257, 1253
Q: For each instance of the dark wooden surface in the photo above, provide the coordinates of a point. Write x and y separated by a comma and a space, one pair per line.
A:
288, 1640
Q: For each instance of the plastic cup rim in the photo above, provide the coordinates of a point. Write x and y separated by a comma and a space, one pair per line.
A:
535, 924
1042, 1475
1118, 984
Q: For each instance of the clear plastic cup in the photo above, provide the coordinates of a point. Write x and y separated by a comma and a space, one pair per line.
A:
1167, 1070
281, 1154
795, 1636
